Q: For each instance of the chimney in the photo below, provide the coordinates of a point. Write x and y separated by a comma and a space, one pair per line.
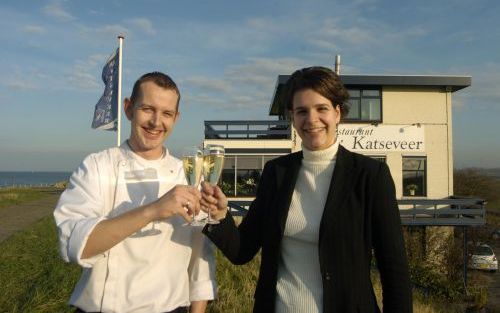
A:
337, 64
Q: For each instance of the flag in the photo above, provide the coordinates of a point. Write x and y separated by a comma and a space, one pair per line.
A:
106, 110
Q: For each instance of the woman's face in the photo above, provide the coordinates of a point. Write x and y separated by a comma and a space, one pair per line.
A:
315, 119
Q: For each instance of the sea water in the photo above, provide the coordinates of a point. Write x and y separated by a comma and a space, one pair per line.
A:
32, 178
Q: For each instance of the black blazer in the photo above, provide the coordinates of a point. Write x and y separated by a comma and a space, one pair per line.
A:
360, 213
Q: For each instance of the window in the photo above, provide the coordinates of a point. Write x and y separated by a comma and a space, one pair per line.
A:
241, 174
414, 176
248, 175
380, 158
365, 105
227, 176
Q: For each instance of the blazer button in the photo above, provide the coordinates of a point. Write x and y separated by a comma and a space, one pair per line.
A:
328, 276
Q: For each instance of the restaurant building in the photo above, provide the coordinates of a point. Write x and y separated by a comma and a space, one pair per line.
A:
403, 120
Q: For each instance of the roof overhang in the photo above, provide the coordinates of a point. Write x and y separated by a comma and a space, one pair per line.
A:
447, 83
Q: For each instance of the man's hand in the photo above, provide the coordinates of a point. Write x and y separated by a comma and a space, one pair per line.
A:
213, 199
180, 200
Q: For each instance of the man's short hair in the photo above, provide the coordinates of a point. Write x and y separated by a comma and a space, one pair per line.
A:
160, 79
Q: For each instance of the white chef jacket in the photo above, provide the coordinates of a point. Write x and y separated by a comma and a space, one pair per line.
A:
161, 267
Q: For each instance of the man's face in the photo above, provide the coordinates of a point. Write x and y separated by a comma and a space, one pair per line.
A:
152, 119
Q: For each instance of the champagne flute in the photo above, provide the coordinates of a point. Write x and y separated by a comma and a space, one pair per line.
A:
213, 162
192, 162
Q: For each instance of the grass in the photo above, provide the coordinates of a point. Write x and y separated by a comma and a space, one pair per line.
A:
32, 276
34, 279
421, 302
13, 196
236, 285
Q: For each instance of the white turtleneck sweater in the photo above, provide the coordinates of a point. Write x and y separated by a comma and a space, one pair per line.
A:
299, 286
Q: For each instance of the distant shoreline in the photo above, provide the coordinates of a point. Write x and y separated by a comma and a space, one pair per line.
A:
31, 178
491, 172
34, 172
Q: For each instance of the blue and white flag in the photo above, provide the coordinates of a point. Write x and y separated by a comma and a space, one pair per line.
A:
106, 110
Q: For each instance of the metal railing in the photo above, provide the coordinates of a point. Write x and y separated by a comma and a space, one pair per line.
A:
421, 212
443, 212
247, 129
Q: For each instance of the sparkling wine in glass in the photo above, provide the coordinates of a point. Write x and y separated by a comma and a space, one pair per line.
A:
192, 162
213, 162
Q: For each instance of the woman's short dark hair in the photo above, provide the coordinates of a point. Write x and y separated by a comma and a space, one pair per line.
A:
160, 79
323, 81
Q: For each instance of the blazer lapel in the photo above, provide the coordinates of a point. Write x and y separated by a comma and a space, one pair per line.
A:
343, 177
286, 178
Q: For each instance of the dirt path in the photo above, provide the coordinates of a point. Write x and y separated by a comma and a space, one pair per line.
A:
17, 217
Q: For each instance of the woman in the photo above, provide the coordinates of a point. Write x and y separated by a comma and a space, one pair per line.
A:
317, 215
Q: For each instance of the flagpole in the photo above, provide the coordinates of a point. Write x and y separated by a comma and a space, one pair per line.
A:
119, 110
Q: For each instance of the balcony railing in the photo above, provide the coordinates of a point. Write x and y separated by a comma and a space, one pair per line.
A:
443, 212
423, 212
247, 130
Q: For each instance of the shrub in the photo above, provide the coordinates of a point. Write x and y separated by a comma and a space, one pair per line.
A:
436, 274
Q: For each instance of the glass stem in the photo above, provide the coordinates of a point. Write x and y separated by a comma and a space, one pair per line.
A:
209, 215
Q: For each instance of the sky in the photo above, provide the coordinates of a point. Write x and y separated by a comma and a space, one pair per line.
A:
225, 56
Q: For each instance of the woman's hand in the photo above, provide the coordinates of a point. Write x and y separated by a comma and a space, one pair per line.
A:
213, 199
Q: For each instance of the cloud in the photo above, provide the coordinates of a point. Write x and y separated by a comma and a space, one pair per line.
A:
226, 103
246, 86
96, 12
83, 74
248, 101
486, 80
128, 28
467, 36
208, 84
83, 80
56, 10
33, 29
144, 24
266, 25
352, 35
20, 84
222, 102
24, 78
483, 94
364, 2
114, 29
102, 33
204, 100
261, 73
335, 34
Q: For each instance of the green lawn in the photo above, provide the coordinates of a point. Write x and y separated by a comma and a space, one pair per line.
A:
13, 196
34, 279
32, 276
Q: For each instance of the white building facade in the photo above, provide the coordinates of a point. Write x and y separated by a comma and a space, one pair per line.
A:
405, 121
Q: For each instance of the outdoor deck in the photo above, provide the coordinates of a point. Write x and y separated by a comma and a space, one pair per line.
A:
251, 129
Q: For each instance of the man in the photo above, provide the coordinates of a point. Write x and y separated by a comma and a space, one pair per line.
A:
123, 215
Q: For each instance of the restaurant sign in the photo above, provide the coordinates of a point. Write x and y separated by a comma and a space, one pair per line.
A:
382, 138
